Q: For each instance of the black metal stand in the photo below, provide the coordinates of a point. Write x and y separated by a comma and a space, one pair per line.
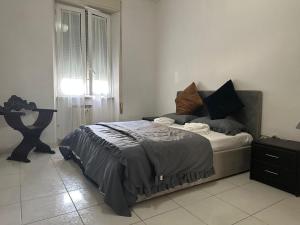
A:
31, 134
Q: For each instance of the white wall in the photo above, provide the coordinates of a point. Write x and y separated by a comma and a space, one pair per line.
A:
254, 42
26, 60
138, 58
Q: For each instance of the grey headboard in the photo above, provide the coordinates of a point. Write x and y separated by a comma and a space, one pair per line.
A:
251, 114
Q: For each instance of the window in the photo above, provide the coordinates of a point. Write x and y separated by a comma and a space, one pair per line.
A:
83, 52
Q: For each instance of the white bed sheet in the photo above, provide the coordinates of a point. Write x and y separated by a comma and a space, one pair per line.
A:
220, 141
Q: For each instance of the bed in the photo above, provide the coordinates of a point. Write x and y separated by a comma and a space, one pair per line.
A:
138, 160
230, 156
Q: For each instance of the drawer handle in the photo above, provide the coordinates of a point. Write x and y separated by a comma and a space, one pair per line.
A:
272, 156
271, 172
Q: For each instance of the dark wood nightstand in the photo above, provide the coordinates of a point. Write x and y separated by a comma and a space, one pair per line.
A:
150, 118
276, 162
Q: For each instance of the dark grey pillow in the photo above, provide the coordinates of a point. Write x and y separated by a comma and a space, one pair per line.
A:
180, 119
227, 126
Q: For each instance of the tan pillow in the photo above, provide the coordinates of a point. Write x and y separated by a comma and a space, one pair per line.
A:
188, 100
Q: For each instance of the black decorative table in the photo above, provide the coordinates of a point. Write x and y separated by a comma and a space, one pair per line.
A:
31, 134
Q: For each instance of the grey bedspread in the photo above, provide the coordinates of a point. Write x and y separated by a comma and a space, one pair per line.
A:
137, 157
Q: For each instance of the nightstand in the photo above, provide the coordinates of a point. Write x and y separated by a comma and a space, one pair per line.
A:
150, 118
276, 162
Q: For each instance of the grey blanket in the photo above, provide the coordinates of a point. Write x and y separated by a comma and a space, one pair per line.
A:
138, 157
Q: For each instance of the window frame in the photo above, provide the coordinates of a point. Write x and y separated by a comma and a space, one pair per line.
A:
90, 12
86, 40
83, 40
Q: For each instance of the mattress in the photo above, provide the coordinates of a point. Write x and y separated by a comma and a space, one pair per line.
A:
222, 142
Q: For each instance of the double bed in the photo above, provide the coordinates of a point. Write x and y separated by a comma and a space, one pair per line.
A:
138, 160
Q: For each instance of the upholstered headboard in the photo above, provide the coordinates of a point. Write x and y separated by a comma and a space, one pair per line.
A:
250, 115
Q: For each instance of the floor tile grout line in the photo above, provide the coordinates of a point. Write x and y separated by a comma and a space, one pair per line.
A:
77, 210
251, 214
68, 192
137, 216
265, 223
180, 206
275, 203
234, 206
159, 214
20, 185
213, 194
138, 223
241, 220
141, 220
45, 197
194, 215
195, 201
238, 186
248, 215
48, 218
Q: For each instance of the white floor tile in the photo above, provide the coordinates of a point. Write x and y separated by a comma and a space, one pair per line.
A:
38, 162
9, 196
40, 175
10, 180
57, 156
47, 207
103, 215
189, 196
84, 198
66, 219
42, 189
75, 182
240, 179
216, 212
10, 215
253, 197
154, 207
251, 221
47, 175
8, 167
215, 187
67, 168
286, 212
175, 217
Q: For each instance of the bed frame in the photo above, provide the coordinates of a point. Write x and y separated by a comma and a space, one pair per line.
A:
231, 161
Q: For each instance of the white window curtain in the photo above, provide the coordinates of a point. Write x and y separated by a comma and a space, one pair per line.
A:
84, 90
99, 66
71, 69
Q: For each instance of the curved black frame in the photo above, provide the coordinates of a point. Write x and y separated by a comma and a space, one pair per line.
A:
31, 134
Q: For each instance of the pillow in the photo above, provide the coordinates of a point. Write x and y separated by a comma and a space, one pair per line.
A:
227, 126
180, 119
188, 100
223, 102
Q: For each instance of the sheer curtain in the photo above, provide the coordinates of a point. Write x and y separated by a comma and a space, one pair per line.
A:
103, 108
71, 75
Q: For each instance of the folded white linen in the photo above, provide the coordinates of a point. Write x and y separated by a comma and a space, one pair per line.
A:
199, 128
164, 121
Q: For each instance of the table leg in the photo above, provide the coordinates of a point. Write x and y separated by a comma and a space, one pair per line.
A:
43, 148
22, 150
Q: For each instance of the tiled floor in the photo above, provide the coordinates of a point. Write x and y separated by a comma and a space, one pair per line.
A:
51, 191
